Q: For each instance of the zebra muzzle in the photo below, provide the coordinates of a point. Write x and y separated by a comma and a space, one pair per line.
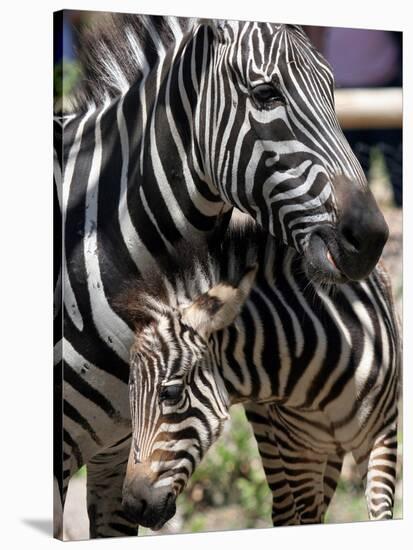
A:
147, 505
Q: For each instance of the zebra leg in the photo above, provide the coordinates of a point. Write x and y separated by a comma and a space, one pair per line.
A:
67, 461
378, 470
332, 474
105, 476
304, 466
305, 471
57, 510
284, 510
283, 504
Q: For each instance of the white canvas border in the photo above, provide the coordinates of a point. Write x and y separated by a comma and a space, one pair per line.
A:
26, 230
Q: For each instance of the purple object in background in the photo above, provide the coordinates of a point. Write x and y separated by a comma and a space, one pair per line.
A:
361, 57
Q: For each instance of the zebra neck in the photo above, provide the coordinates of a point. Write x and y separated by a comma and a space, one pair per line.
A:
140, 150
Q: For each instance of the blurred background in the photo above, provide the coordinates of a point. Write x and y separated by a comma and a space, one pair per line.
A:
228, 490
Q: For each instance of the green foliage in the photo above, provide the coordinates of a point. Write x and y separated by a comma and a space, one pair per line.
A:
66, 76
82, 472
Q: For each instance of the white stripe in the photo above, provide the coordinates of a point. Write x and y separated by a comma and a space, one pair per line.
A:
111, 328
68, 294
137, 250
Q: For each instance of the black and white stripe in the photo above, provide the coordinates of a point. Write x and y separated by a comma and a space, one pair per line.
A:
169, 131
320, 368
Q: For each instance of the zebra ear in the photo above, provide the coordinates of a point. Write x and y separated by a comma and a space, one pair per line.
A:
219, 307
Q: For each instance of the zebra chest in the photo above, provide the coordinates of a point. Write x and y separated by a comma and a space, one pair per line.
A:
307, 428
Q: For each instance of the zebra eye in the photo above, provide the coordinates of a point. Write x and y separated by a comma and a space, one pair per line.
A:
170, 395
266, 96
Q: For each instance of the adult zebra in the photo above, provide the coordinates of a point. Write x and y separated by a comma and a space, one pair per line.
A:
321, 375
178, 121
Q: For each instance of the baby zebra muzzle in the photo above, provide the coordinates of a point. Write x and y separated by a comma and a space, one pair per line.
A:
148, 505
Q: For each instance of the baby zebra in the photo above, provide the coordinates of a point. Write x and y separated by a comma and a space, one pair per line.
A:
242, 322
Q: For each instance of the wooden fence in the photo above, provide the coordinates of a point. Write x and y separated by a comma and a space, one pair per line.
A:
369, 107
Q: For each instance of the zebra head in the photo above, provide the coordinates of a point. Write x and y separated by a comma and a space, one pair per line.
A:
178, 399
276, 151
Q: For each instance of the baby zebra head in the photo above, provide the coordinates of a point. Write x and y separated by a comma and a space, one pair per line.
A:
177, 396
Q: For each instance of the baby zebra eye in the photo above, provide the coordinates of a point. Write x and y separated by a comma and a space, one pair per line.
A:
170, 395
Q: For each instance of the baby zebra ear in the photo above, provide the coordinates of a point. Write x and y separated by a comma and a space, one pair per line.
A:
218, 307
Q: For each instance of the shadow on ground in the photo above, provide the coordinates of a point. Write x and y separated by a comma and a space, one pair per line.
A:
43, 526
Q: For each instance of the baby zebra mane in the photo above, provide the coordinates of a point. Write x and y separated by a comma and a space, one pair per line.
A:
190, 272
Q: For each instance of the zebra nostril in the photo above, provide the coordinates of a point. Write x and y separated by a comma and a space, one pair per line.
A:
143, 506
129, 510
350, 237
134, 509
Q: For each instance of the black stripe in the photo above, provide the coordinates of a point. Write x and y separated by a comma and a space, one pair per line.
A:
79, 419
89, 392
74, 447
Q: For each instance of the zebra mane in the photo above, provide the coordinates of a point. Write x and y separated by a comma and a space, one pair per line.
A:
191, 270
114, 50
